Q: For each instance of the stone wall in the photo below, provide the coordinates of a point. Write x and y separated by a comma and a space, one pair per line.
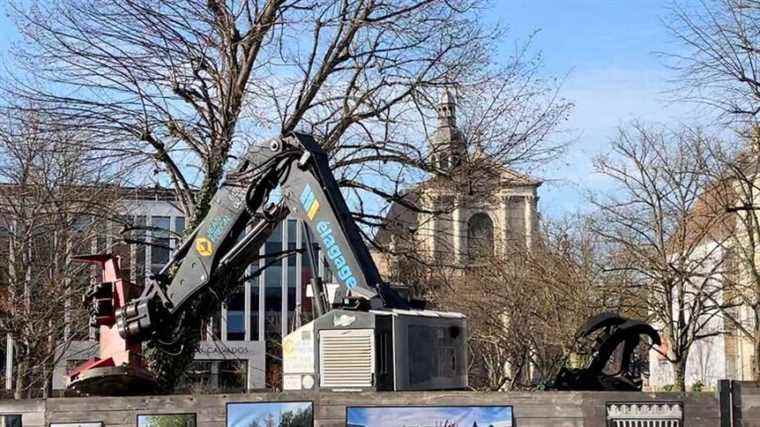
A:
542, 409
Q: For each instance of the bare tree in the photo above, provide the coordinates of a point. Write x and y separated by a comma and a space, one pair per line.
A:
732, 196
661, 235
525, 307
720, 62
55, 201
179, 81
177, 84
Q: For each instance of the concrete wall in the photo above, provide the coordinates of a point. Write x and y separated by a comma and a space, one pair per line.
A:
252, 352
740, 403
542, 409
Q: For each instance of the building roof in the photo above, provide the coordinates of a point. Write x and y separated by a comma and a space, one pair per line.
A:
423, 313
399, 219
130, 192
709, 219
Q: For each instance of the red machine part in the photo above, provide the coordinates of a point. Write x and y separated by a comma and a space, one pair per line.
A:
119, 360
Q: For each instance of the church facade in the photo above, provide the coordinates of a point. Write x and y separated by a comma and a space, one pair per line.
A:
469, 207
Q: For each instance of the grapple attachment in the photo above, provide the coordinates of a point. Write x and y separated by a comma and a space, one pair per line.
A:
617, 340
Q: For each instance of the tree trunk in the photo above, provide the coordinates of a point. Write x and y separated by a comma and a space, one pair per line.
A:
20, 377
48, 366
756, 360
679, 375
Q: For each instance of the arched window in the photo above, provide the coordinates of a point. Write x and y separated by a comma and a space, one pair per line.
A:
444, 163
479, 236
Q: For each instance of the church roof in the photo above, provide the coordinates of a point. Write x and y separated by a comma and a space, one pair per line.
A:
399, 219
481, 171
707, 222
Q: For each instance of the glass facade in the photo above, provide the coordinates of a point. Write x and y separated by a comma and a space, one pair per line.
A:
215, 376
291, 279
280, 288
236, 317
274, 298
141, 251
241, 340
160, 245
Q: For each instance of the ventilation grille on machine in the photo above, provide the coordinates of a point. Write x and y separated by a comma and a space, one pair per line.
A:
346, 358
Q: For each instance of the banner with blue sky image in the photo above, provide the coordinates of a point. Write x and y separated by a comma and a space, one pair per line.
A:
438, 416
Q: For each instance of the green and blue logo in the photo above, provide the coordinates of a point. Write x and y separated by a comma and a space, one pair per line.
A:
309, 202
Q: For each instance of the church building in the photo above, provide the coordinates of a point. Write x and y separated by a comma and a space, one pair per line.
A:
470, 207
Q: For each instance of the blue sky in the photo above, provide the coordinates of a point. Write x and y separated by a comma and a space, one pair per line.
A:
7, 34
605, 48
463, 416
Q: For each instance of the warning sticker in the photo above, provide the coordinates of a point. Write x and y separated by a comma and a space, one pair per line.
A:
204, 246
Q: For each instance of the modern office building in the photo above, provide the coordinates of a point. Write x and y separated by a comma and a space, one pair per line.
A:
232, 355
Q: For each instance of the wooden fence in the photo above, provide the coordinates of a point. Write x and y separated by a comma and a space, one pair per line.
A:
541, 409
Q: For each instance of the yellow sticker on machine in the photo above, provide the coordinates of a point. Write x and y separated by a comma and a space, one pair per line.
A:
204, 246
313, 210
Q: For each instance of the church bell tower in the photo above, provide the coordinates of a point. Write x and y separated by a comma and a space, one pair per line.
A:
447, 146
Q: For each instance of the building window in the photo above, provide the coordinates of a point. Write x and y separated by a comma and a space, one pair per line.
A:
307, 272
139, 235
198, 376
516, 221
7, 420
124, 252
254, 309
216, 376
160, 246
233, 375
101, 237
444, 165
81, 224
5, 253
292, 270
479, 236
273, 283
236, 317
211, 328
179, 226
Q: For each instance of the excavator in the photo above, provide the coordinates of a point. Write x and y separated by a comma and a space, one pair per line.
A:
365, 336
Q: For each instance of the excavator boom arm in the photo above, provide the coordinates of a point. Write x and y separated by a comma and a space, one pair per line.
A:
299, 167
